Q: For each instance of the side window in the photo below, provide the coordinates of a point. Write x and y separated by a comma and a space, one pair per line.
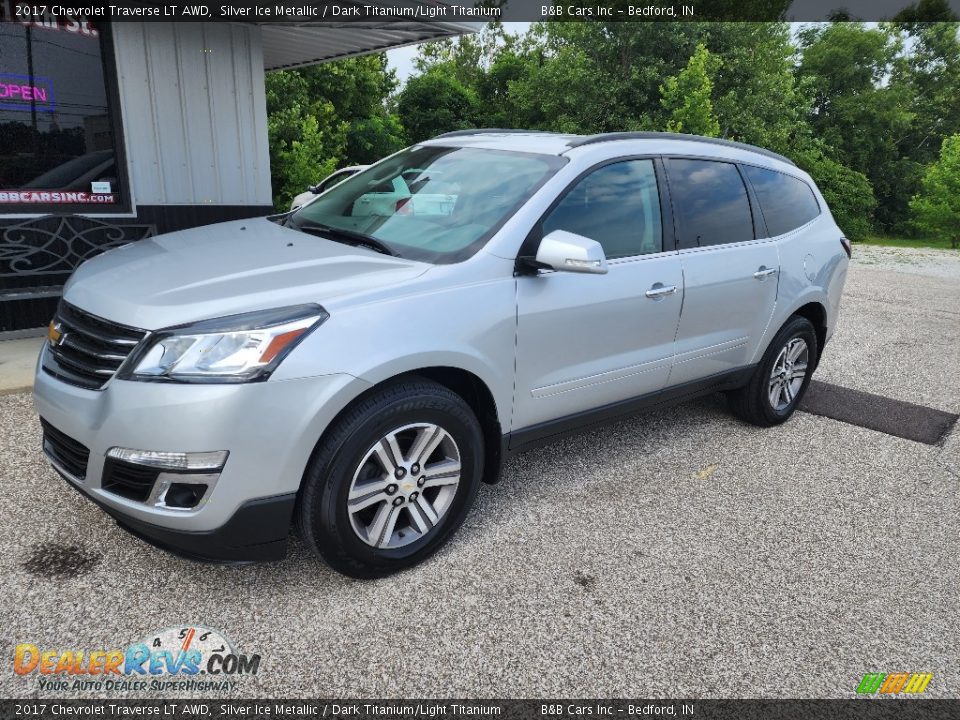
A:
787, 202
617, 205
711, 201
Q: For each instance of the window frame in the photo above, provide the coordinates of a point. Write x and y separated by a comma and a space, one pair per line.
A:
123, 208
756, 215
813, 192
526, 256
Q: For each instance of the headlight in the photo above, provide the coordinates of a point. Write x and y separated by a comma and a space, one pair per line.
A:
239, 348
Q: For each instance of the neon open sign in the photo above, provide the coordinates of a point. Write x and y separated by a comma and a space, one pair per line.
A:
21, 92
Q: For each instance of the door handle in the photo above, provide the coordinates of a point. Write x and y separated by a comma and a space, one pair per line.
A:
764, 272
659, 290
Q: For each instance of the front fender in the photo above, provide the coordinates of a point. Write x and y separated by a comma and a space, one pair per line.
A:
470, 328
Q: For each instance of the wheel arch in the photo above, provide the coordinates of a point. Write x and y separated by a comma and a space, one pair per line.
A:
469, 386
478, 396
816, 313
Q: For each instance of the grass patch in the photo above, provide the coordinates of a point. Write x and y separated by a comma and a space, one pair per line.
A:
901, 242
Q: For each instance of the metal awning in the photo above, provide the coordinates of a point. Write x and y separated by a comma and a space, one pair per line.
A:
290, 46
295, 44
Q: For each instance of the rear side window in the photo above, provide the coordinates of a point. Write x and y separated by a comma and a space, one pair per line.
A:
787, 202
711, 202
617, 205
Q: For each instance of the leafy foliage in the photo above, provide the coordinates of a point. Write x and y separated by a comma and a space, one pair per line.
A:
434, 103
687, 96
327, 116
847, 192
936, 209
863, 108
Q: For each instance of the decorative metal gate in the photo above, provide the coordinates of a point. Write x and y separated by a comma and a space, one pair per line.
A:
38, 255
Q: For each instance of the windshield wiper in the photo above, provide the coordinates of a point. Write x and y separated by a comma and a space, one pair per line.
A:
350, 237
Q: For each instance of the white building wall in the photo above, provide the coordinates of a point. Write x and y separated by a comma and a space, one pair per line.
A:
194, 113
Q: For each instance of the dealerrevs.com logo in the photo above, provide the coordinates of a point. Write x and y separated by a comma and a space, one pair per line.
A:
186, 659
894, 683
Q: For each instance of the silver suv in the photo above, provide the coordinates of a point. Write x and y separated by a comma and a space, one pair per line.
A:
358, 367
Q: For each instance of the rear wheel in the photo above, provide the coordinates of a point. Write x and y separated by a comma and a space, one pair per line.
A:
393, 479
781, 378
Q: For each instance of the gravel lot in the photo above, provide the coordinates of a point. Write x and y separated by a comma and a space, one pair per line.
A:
678, 554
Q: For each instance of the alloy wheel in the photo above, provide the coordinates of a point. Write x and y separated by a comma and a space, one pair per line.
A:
788, 373
404, 485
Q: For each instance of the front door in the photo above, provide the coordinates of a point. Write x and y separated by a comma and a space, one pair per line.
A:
585, 341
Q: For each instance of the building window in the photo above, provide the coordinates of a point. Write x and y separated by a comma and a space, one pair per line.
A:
58, 145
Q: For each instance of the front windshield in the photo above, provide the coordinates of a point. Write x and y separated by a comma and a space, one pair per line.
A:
432, 203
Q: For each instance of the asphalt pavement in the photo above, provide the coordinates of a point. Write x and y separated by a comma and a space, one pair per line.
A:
678, 554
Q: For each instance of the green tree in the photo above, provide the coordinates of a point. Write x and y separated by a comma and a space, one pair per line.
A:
687, 96
327, 116
303, 150
598, 77
757, 97
930, 71
434, 103
857, 112
936, 208
861, 107
848, 193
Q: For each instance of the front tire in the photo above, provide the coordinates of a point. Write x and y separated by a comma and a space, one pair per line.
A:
393, 479
781, 378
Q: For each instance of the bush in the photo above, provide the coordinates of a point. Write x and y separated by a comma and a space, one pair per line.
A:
435, 103
936, 208
847, 192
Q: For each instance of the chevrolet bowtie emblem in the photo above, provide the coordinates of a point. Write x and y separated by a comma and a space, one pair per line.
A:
54, 334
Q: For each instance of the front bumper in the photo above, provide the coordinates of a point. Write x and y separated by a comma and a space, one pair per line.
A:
268, 428
256, 532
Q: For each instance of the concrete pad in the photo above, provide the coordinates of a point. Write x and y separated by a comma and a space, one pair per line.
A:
18, 360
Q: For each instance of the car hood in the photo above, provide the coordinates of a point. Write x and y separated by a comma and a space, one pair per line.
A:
224, 269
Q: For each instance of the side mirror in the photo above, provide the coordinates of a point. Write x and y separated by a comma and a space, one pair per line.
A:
315, 189
568, 252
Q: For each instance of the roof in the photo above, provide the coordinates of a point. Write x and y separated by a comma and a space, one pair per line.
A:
296, 44
608, 137
531, 141
559, 143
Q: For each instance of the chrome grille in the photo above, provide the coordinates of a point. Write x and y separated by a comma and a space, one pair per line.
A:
90, 349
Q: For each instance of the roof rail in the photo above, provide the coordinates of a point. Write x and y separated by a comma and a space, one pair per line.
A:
649, 135
498, 131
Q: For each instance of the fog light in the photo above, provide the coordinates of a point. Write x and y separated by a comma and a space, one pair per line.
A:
213, 460
182, 491
184, 495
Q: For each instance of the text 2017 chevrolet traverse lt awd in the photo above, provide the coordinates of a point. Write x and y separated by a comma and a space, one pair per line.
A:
359, 366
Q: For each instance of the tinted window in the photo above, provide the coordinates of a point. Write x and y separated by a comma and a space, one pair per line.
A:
711, 201
617, 205
56, 130
787, 202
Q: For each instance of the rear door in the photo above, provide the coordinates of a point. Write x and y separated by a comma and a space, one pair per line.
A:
730, 271
585, 341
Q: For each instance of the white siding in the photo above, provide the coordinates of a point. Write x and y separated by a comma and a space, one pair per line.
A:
194, 113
